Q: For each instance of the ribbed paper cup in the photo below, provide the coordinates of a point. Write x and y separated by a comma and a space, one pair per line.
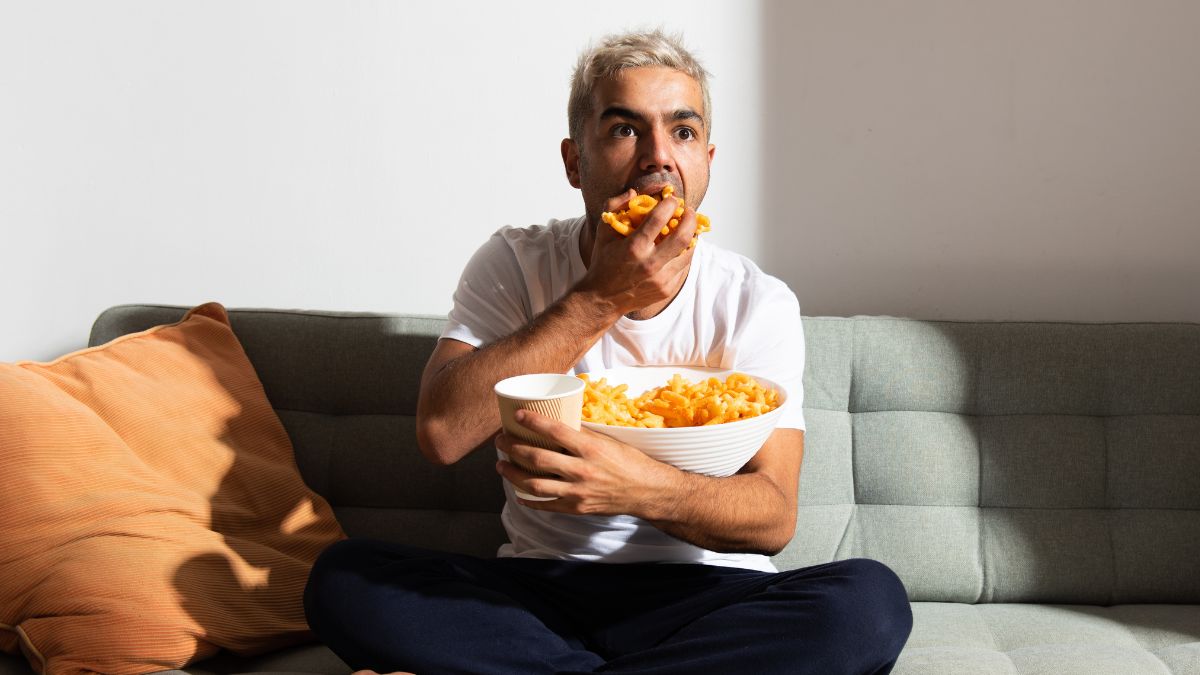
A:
556, 396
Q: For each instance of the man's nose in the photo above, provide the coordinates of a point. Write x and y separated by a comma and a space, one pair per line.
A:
656, 152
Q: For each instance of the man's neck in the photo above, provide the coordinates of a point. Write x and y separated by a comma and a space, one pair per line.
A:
653, 310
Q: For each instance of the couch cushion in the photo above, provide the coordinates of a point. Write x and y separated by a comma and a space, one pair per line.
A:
1008, 639
152, 510
983, 461
1005, 461
305, 659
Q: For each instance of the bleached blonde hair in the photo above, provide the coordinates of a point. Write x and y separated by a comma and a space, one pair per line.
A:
639, 49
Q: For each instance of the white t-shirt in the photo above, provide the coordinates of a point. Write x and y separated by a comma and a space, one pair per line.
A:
729, 314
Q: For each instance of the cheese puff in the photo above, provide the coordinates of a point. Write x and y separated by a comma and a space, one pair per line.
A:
624, 222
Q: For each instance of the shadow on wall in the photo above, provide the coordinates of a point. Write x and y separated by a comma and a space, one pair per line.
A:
982, 161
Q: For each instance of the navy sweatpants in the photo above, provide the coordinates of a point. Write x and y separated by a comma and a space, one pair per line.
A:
390, 607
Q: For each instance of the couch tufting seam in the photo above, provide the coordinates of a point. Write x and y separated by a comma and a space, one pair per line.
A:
979, 511
1108, 515
1169, 669
853, 450
1132, 636
1008, 654
992, 636
326, 413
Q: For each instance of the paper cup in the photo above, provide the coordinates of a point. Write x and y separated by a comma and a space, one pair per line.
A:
557, 396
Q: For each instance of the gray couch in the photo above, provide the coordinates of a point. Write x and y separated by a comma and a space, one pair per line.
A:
1035, 485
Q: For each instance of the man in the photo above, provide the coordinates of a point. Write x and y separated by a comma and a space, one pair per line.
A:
633, 566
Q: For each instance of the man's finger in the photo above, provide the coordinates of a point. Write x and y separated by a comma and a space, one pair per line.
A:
620, 202
680, 238
677, 263
605, 235
513, 472
520, 452
556, 431
541, 486
559, 504
654, 222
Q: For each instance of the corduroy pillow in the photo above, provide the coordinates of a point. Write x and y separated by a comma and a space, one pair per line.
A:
151, 509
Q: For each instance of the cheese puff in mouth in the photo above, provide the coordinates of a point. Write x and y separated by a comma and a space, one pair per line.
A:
625, 222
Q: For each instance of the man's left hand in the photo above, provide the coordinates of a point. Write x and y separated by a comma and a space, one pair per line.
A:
593, 474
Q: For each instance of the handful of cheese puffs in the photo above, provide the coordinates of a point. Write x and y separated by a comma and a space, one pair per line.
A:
640, 206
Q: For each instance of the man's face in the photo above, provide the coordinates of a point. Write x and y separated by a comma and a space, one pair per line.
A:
645, 131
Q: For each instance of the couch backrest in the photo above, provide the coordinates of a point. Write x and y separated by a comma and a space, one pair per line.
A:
983, 461
345, 387
1006, 462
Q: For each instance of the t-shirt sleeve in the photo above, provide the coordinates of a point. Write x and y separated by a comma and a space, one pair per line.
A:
772, 345
490, 301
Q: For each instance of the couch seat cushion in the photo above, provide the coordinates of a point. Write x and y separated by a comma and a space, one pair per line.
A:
1021, 639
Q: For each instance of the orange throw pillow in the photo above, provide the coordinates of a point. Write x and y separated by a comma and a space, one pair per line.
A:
151, 511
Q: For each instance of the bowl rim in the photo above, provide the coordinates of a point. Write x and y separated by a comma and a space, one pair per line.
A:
709, 372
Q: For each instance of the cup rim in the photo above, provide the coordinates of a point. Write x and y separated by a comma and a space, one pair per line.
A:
575, 386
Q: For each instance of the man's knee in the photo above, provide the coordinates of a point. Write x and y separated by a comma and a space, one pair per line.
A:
345, 574
861, 608
327, 580
353, 572
874, 603
339, 558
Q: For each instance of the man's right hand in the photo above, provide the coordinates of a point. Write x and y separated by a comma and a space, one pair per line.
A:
457, 411
633, 273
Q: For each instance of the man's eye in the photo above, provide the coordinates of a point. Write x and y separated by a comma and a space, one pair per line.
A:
686, 133
624, 131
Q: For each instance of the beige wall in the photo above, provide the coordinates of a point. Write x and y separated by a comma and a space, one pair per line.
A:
1027, 159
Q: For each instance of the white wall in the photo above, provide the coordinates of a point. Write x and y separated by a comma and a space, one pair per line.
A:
345, 156
934, 159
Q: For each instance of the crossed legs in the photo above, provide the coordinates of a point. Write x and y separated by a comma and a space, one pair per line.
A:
389, 607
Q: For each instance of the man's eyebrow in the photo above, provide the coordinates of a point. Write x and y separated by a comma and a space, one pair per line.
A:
688, 114
618, 111
678, 115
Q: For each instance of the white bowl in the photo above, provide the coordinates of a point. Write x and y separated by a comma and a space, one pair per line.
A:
714, 450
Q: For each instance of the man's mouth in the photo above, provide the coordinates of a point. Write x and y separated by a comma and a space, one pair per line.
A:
653, 184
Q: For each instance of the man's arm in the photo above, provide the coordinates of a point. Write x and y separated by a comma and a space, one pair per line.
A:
457, 410
753, 511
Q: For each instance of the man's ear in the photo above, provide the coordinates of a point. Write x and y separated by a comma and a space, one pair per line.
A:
570, 156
